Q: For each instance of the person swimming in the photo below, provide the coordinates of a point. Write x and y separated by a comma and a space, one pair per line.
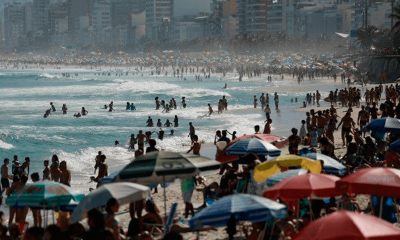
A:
47, 113
77, 114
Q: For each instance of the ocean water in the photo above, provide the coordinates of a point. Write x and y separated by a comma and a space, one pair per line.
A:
26, 94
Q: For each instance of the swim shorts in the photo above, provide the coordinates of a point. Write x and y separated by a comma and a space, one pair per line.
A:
5, 183
187, 196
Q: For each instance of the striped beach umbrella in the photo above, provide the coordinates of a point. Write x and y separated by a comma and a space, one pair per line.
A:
244, 207
253, 145
44, 194
164, 167
276, 178
331, 165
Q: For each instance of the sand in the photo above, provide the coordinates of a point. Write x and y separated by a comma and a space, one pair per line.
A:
173, 192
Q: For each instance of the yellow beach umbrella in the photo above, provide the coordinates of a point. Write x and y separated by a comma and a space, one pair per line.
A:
267, 169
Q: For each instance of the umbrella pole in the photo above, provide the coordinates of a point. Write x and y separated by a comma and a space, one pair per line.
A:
311, 211
272, 229
381, 207
165, 200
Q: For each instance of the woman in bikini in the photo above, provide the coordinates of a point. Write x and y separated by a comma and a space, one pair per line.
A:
348, 123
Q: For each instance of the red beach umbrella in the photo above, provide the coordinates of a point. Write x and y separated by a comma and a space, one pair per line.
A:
275, 140
378, 181
304, 186
348, 225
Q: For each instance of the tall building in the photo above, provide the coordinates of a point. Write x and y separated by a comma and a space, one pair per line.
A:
252, 16
40, 20
77, 9
14, 24
158, 13
138, 6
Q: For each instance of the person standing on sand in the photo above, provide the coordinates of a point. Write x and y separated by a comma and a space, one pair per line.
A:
140, 139
192, 132
294, 142
363, 119
53, 166
103, 170
46, 171
65, 177
5, 183
195, 146
210, 110
267, 127
187, 188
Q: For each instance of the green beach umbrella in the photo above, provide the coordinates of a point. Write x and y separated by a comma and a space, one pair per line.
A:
44, 194
163, 167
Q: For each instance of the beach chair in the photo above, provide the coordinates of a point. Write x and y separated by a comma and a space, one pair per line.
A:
159, 229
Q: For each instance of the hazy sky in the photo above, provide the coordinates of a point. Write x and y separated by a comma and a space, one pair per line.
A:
188, 7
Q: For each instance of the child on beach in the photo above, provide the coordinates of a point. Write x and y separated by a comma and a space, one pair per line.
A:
267, 127
46, 171
302, 133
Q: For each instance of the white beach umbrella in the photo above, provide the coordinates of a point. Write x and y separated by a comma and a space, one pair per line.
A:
124, 192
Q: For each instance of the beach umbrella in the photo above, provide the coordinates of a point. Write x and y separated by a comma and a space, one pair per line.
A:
348, 225
164, 167
386, 124
331, 165
124, 192
303, 186
276, 178
44, 194
373, 181
269, 168
244, 207
275, 140
253, 145
395, 146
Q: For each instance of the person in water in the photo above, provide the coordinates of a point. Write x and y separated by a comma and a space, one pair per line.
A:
77, 114
84, 112
133, 107
176, 123
47, 113
64, 109
52, 107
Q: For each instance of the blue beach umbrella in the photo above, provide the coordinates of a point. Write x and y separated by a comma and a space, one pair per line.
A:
44, 194
253, 145
386, 124
244, 207
276, 178
331, 166
395, 146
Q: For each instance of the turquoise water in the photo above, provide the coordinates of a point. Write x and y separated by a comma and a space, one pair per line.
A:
26, 94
